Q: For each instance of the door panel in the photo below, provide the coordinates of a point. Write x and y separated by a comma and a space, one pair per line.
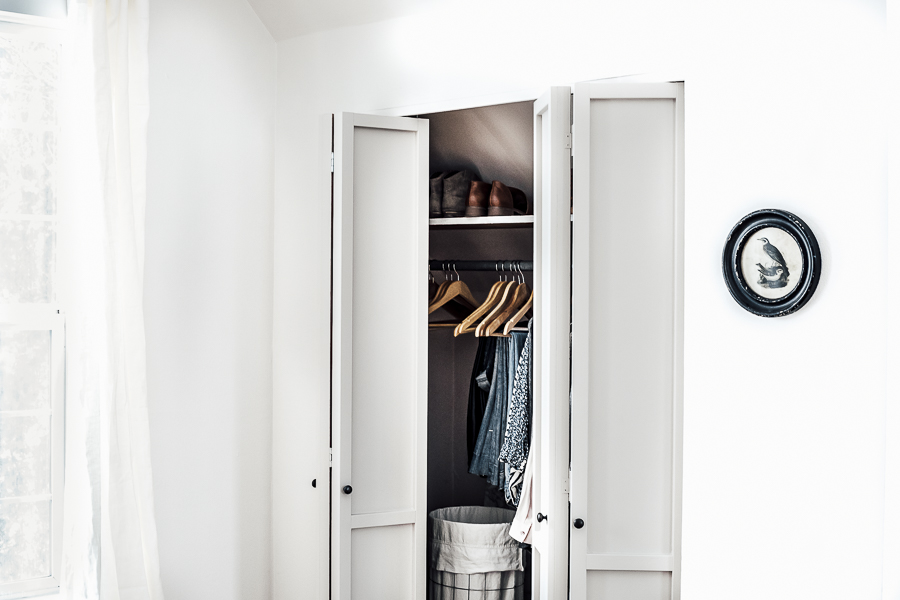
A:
629, 585
627, 305
550, 433
379, 370
383, 562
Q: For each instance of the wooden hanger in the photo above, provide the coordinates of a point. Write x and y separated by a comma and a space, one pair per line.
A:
493, 297
518, 298
519, 315
505, 298
458, 292
519, 295
440, 289
509, 302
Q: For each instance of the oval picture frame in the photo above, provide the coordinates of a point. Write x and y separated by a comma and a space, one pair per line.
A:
771, 263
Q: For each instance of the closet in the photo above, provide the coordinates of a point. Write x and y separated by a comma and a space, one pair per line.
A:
605, 242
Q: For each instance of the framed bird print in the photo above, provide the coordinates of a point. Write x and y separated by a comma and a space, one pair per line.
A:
771, 263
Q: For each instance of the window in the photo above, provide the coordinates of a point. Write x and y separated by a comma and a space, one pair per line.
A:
32, 348
53, 9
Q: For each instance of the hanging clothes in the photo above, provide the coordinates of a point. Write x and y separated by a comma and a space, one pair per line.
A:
524, 519
517, 433
486, 459
479, 388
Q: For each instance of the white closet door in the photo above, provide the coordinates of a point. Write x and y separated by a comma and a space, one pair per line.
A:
379, 358
552, 154
627, 341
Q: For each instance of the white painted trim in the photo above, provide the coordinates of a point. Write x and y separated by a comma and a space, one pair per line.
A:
20, 499
28, 316
421, 341
481, 221
526, 95
678, 367
630, 562
581, 318
342, 355
405, 517
7, 16
891, 542
552, 310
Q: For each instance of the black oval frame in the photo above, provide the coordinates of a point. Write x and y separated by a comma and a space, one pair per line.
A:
809, 274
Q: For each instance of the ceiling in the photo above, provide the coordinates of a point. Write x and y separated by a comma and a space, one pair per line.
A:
290, 18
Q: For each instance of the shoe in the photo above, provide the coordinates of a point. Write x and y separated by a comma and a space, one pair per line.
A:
521, 205
456, 193
479, 193
436, 193
501, 201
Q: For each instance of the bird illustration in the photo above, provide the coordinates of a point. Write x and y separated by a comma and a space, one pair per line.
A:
770, 271
774, 253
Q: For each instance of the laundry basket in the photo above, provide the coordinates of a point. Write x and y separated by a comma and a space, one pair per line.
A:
472, 555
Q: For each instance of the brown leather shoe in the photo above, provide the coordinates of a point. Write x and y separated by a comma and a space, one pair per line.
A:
479, 193
501, 202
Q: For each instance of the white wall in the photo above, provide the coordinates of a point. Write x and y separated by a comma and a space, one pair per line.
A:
209, 295
784, 441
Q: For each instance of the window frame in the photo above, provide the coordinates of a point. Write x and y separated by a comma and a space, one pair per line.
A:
55, 10
42, 317
31, 317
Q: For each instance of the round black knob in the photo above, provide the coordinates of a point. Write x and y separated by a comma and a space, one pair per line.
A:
314, 483
541, 517
578, 523
347, 489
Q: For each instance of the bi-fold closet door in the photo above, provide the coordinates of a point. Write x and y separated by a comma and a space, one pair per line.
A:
379, 353
379, 358
612, 526
627, 341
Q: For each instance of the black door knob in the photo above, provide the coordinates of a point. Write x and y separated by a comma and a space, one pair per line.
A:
541, 517
578, 523
314, 483
347, 489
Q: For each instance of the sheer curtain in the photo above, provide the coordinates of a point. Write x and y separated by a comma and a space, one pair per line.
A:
109, 541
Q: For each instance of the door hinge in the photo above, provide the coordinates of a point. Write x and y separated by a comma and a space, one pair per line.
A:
330, 457
332, 162
569, 141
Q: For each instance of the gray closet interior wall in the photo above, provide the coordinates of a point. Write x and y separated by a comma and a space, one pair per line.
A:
497, 142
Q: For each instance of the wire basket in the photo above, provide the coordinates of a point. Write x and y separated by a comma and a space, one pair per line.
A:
495, 585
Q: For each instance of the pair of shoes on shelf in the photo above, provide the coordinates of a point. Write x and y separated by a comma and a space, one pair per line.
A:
449, 192
462, 194
496, 200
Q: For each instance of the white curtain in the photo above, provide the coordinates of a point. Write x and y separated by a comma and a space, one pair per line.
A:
109, 542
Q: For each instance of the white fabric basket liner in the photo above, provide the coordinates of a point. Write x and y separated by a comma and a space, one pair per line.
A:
473, 539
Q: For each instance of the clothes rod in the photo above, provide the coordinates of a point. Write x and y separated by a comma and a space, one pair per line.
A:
499, 266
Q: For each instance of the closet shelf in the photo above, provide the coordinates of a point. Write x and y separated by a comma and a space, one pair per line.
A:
513, 222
